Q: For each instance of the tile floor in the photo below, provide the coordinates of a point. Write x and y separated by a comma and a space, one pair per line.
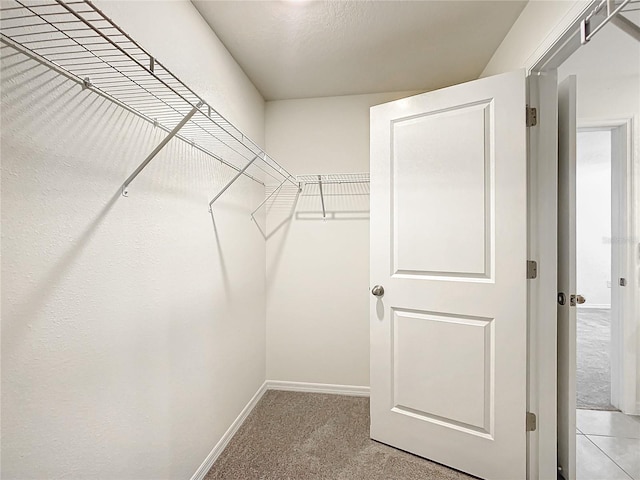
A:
607, 446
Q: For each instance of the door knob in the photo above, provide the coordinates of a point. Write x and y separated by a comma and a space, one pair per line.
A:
580, 299
377, 291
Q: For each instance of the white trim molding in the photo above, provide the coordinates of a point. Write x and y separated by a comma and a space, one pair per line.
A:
228, 435
351, 390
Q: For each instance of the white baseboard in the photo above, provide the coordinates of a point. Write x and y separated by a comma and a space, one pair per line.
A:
228, 435
352, 390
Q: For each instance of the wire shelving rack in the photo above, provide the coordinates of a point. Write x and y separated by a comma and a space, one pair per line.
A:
78, 40
334, 184
606, 11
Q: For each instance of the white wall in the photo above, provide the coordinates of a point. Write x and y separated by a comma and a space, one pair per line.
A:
593, 218
133, 332
318, 271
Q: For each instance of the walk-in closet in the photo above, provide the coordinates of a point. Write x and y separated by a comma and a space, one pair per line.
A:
303, 239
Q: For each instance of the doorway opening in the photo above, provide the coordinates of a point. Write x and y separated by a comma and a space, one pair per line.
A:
607, 74
598, 262
593, 269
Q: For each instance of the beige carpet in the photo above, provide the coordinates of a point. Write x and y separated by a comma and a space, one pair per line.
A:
593, 366
292, 435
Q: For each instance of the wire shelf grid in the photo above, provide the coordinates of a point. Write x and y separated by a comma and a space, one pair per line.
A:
333, 178
606, 11
78, 38
334, 185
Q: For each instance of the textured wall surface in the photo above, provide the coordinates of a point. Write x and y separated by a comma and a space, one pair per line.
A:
318, 271
133, 329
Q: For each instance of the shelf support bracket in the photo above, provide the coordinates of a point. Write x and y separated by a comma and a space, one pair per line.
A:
224, 189
586, 32
268, 197
324, 212
165, 140
627, 26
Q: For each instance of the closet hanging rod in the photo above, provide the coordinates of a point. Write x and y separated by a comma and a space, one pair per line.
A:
78, 39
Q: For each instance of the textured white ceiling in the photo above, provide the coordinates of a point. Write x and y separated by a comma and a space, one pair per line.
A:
299, 49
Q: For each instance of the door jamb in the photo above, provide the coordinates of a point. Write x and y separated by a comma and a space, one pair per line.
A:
542, 213
541, 68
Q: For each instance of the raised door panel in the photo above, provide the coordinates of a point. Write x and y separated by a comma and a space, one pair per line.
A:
450, 387
441, 167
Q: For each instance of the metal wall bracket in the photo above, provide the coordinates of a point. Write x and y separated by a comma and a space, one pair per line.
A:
268, 197
324, 212
165, 140
224, 189
587, 31
627, 26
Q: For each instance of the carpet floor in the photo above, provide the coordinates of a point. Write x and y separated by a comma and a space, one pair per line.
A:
291, 435
593, 375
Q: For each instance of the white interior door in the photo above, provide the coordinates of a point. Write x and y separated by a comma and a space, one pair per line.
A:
567, 132
448, 245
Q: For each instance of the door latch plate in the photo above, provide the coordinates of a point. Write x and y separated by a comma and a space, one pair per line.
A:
532, 422
532, 269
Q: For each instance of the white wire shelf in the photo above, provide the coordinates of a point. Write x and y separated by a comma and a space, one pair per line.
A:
335, 184
78, 40
606, 11
333, 178
322, 185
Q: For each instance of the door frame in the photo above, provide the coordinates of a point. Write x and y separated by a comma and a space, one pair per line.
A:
623, 352
541, 68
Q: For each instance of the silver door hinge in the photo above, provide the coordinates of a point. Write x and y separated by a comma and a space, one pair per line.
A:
531, 422
532, 269
532, 116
